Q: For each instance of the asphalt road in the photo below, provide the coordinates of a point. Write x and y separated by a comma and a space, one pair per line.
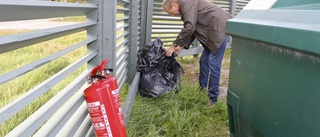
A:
32, 24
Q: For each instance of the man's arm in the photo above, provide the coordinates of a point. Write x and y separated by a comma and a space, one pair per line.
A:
189, 15
177, 48
188, 42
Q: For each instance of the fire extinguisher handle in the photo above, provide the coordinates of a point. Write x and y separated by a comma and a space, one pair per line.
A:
99, 68
103, 64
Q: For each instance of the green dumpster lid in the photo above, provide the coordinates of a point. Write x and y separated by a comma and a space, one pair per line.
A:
289, 23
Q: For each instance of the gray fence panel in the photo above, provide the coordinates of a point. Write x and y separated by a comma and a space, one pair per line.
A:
58, 120
84, 128
15, 41
35, 9
128, 104
122, 42
24, 69
32, 123
72, 125
9, 11
14, 107
90, 132
95, 31
240, 4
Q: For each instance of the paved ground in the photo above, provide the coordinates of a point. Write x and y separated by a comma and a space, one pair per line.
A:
32, 24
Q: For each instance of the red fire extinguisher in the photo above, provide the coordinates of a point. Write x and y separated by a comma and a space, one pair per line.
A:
103, 101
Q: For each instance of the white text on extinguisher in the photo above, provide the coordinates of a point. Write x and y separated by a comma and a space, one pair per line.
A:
105, 117
116, 97
97, 120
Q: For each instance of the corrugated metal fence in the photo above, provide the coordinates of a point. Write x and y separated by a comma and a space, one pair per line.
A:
113, 30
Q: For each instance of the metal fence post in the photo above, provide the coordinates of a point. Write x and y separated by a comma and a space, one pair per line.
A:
95, 31
134, 37
149, 20
143, 20
196, 43
108, 17
233, 10
233, 4
146, 21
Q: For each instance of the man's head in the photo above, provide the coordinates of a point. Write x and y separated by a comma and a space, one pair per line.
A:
171, 7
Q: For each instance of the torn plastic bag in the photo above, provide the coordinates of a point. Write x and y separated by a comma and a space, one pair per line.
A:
160, 74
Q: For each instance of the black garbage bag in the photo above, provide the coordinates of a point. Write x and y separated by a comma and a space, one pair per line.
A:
160, 74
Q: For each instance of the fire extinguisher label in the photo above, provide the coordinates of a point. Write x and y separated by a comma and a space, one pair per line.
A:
99, 117
117, 101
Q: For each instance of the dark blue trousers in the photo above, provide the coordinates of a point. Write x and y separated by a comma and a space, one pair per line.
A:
210, 67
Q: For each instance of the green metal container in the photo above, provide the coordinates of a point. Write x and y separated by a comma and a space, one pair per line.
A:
274, 81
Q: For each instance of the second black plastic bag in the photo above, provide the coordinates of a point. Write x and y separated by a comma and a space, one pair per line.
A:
160, 74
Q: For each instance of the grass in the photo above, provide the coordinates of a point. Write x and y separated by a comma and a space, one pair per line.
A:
178, 115
182, 114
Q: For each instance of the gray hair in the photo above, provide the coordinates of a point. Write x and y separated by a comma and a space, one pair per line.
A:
166, 4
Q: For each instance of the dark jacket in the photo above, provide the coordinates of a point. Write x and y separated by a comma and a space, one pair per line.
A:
202, 20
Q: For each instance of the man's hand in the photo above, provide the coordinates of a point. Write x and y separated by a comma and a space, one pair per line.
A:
170, 50
178, 49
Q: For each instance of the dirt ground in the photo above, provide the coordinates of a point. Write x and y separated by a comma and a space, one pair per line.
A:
192, 71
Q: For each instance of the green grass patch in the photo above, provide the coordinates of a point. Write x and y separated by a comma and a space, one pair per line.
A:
178, 115
182, 114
